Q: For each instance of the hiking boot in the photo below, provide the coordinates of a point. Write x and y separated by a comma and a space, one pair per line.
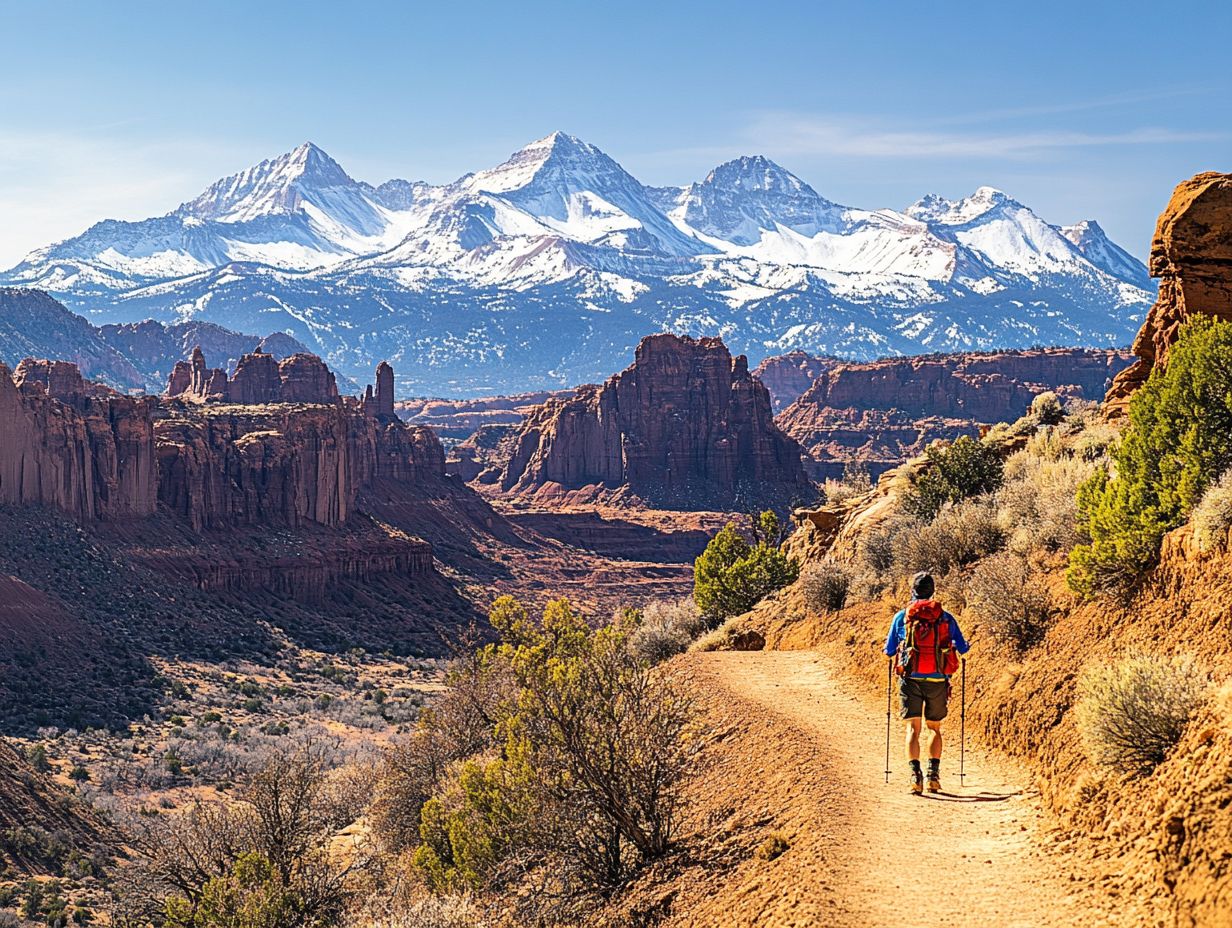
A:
934, 782
917, 781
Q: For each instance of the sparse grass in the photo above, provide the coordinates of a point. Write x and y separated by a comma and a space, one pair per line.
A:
1212, 517
825, 585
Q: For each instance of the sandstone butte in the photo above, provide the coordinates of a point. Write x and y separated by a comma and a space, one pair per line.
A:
1191, 254
881, 413
273, 445
686, 426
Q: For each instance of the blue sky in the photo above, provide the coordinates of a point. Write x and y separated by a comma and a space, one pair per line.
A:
1079, 109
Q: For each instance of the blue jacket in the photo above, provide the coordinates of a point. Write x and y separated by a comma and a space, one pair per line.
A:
898, 631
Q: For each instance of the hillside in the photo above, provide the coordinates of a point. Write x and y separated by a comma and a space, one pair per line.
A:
134, 356
564, 260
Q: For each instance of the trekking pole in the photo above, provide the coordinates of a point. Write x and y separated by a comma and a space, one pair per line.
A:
889, 680
962, 729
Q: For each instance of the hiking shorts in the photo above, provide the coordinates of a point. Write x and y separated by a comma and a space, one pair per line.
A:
923, 697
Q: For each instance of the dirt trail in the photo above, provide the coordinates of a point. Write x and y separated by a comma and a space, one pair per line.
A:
864, 853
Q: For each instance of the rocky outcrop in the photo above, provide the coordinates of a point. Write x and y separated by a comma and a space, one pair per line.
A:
787, 376
880, 414
67, 444
1191, 255
258, 379
379, 402
686, 426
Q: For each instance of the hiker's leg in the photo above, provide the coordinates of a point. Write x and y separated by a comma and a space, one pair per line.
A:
913, 739
934, 742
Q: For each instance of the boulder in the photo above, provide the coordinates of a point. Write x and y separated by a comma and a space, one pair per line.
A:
1191, 255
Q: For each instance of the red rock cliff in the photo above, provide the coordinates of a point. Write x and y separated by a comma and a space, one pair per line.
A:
76, 447
686, 426
884, 412
787, 376
1191, 255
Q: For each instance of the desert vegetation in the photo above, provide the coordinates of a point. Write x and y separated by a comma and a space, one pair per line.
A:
732, 575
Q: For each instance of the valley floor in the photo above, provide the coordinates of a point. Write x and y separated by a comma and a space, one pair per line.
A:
797, 751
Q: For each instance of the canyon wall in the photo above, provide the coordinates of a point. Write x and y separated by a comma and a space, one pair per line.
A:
686, 426
880, 414
787, 376
1191, 255
75, 446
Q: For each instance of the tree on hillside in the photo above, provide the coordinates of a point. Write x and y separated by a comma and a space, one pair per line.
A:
1178, 441
732, 576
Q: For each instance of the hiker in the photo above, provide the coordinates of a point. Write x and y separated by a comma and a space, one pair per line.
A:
924, 644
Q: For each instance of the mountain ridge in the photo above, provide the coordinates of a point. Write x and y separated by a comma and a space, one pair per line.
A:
529, 274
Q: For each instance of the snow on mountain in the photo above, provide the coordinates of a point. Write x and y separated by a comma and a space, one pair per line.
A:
1105, 254
534, 272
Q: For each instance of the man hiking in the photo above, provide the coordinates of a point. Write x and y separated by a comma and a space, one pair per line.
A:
924, 644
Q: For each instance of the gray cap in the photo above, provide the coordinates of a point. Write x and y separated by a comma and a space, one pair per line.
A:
922, 586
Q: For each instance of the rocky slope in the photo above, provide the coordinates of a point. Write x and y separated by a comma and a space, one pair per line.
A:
1191, 255
129, 357
685, 426
880, 414
564, 260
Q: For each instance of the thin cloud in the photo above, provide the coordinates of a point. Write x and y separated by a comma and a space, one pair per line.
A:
790, 134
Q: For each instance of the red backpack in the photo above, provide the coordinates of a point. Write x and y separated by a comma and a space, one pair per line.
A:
926, 647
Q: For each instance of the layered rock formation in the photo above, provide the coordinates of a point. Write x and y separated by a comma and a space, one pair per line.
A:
259, 379
462, 418
1191, 255
686, 426
880, 414
71, 445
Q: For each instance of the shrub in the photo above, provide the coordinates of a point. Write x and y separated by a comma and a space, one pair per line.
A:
1038, 500
773, 847
1179, 439
1132, 712
1212, 517
825, 585
959, 535
731, 576
955, 472
444, 911
1011, 600
666, 628
855, 483
1046, 409
593, 753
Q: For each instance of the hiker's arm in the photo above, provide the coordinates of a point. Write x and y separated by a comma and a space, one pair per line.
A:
960, 643
894, 638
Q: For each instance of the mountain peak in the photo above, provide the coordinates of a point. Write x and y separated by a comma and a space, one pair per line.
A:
758, 173
567, 153
934, 208
276, 185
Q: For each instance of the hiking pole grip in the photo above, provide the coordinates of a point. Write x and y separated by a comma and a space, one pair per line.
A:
889, 681
962, 729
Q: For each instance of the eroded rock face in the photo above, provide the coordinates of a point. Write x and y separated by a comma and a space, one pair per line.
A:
1191, 255
259, 379
66, 444
686, 426
880, 414
787, 376
304, 378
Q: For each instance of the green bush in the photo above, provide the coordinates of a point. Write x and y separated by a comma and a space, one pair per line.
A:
955, 472
1133, 712
731, 576
1179, 439
1046, 409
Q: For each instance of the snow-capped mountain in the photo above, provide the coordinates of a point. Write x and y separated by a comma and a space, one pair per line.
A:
548, 268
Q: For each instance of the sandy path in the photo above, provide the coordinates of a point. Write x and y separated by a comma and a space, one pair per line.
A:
869, 854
